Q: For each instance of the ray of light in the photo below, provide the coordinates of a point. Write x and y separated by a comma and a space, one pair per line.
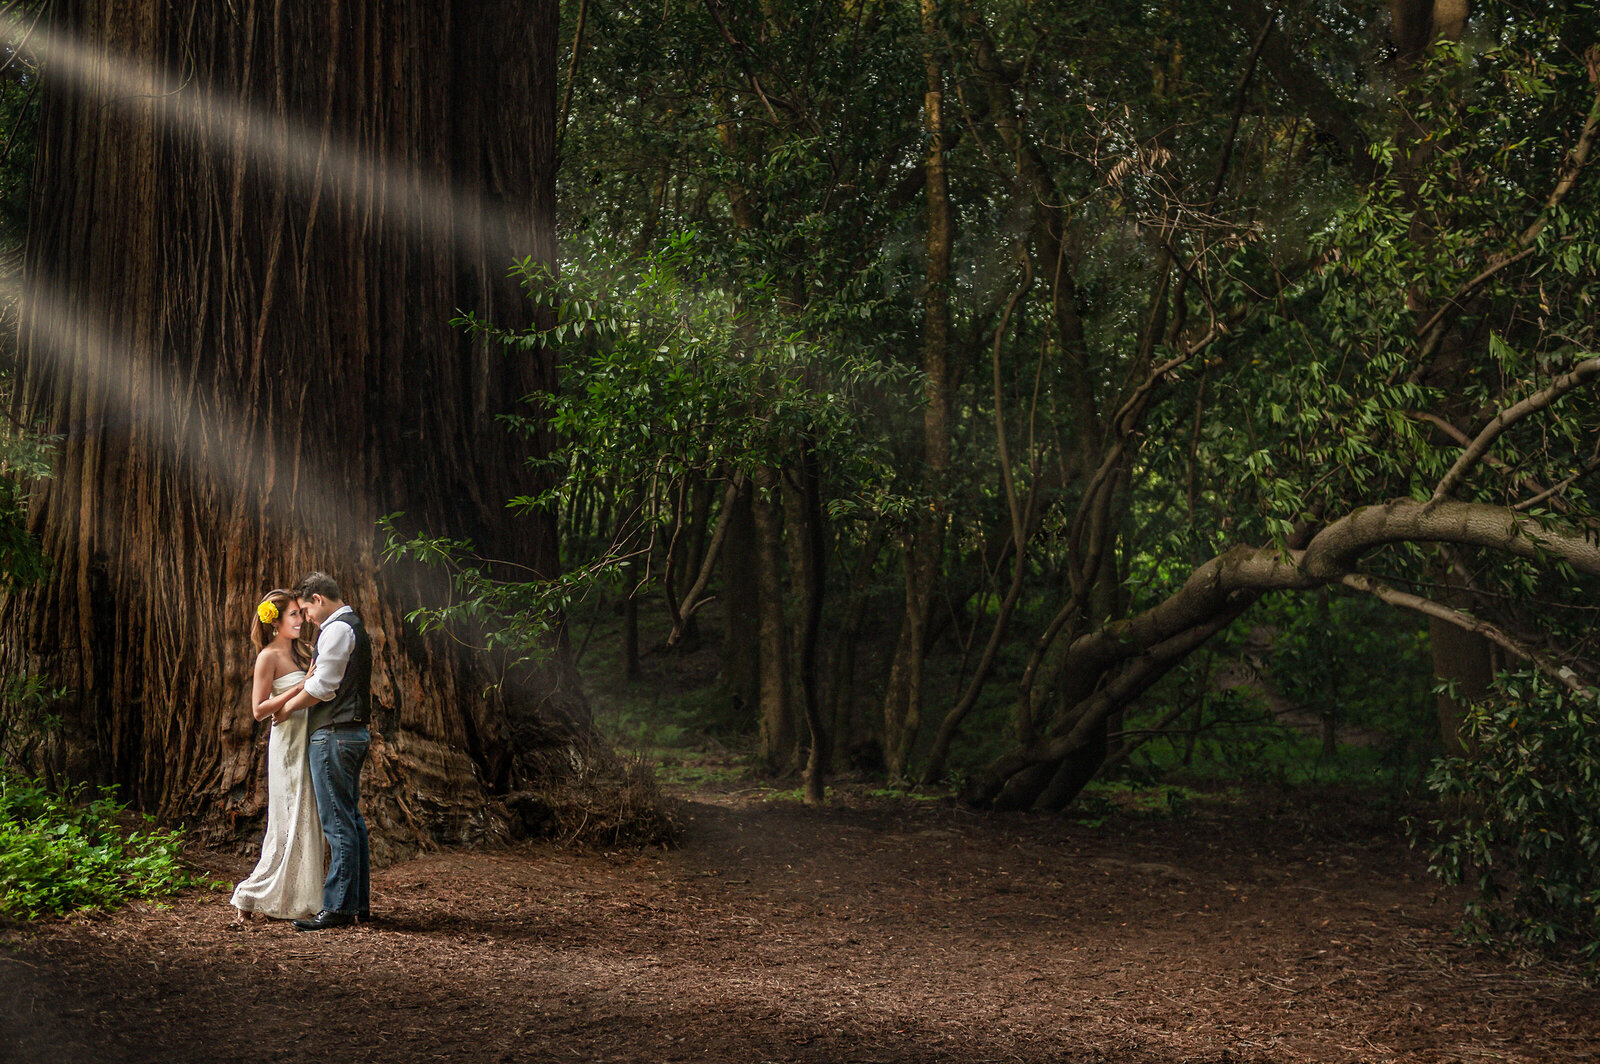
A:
87, 352
311, 158
117, 382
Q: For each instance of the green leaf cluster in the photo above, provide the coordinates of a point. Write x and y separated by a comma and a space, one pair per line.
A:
60, 853
670, 368
1523, 820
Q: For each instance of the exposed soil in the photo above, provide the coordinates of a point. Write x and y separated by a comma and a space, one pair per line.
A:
871, 930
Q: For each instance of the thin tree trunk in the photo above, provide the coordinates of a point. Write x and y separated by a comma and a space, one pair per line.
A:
1463, 662
925, 542
776, 713
695, 547
741, 605
812, 534
842, 654
630, 624
1020, 517
683, 622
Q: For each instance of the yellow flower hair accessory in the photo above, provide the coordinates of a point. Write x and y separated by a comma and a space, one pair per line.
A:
267, 612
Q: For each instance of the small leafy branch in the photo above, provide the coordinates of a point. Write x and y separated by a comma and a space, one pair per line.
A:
670, 377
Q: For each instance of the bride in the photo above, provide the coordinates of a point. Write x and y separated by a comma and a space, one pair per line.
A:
287, 881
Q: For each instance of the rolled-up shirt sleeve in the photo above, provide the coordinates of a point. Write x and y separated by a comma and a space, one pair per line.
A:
334, 647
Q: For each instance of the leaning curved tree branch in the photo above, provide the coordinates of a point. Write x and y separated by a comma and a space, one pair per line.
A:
1327, 557
1131, 654
1334, 551
1578, 376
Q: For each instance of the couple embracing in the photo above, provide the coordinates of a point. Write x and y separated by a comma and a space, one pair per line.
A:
318, 702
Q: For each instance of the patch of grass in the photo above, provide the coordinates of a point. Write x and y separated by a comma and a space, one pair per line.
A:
1101, 799
1268, 752
60, 853
904, 795
688, 770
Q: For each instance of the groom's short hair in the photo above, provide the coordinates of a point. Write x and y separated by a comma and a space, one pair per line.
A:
318, 583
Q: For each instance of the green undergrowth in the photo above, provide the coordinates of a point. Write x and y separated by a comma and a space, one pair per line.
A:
61, 852
1519, 820
1102, 799
678, 719
1271, 754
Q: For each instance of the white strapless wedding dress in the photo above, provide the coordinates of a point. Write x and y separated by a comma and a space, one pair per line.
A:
287, 881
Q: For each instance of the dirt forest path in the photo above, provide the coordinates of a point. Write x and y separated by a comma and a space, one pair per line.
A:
867, 931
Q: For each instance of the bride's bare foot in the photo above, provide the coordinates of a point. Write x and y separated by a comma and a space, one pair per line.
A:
243, 916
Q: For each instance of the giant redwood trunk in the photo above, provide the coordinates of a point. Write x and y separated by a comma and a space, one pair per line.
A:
245, 348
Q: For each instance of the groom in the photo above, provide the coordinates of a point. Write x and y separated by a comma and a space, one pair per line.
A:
338, 695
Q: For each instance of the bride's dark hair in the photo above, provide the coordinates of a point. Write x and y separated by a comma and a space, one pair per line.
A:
264, 632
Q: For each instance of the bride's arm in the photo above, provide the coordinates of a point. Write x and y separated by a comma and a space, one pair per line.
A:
275, 706
264, 706
261, 688
280, 704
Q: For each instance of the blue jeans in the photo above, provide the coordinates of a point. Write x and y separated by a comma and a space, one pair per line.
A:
336, 755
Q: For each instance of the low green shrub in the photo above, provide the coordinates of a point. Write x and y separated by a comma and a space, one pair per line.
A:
1521, 820
59, 853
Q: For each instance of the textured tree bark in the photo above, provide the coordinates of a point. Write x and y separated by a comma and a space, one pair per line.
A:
248, 356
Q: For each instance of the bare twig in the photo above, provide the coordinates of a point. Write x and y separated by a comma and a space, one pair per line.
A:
1589, 467
572, 73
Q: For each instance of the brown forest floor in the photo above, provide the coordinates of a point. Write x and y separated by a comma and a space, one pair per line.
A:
871, 930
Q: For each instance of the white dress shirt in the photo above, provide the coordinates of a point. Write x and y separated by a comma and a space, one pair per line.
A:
335, 644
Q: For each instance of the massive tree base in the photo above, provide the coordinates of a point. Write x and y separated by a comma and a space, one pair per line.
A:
251, 229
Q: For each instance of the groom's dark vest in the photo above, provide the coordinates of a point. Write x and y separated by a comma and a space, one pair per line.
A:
349, 704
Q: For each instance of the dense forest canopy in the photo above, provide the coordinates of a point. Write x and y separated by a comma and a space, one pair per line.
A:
989, 362
1056, 340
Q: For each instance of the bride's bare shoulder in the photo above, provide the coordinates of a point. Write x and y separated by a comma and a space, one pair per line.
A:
275, 662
